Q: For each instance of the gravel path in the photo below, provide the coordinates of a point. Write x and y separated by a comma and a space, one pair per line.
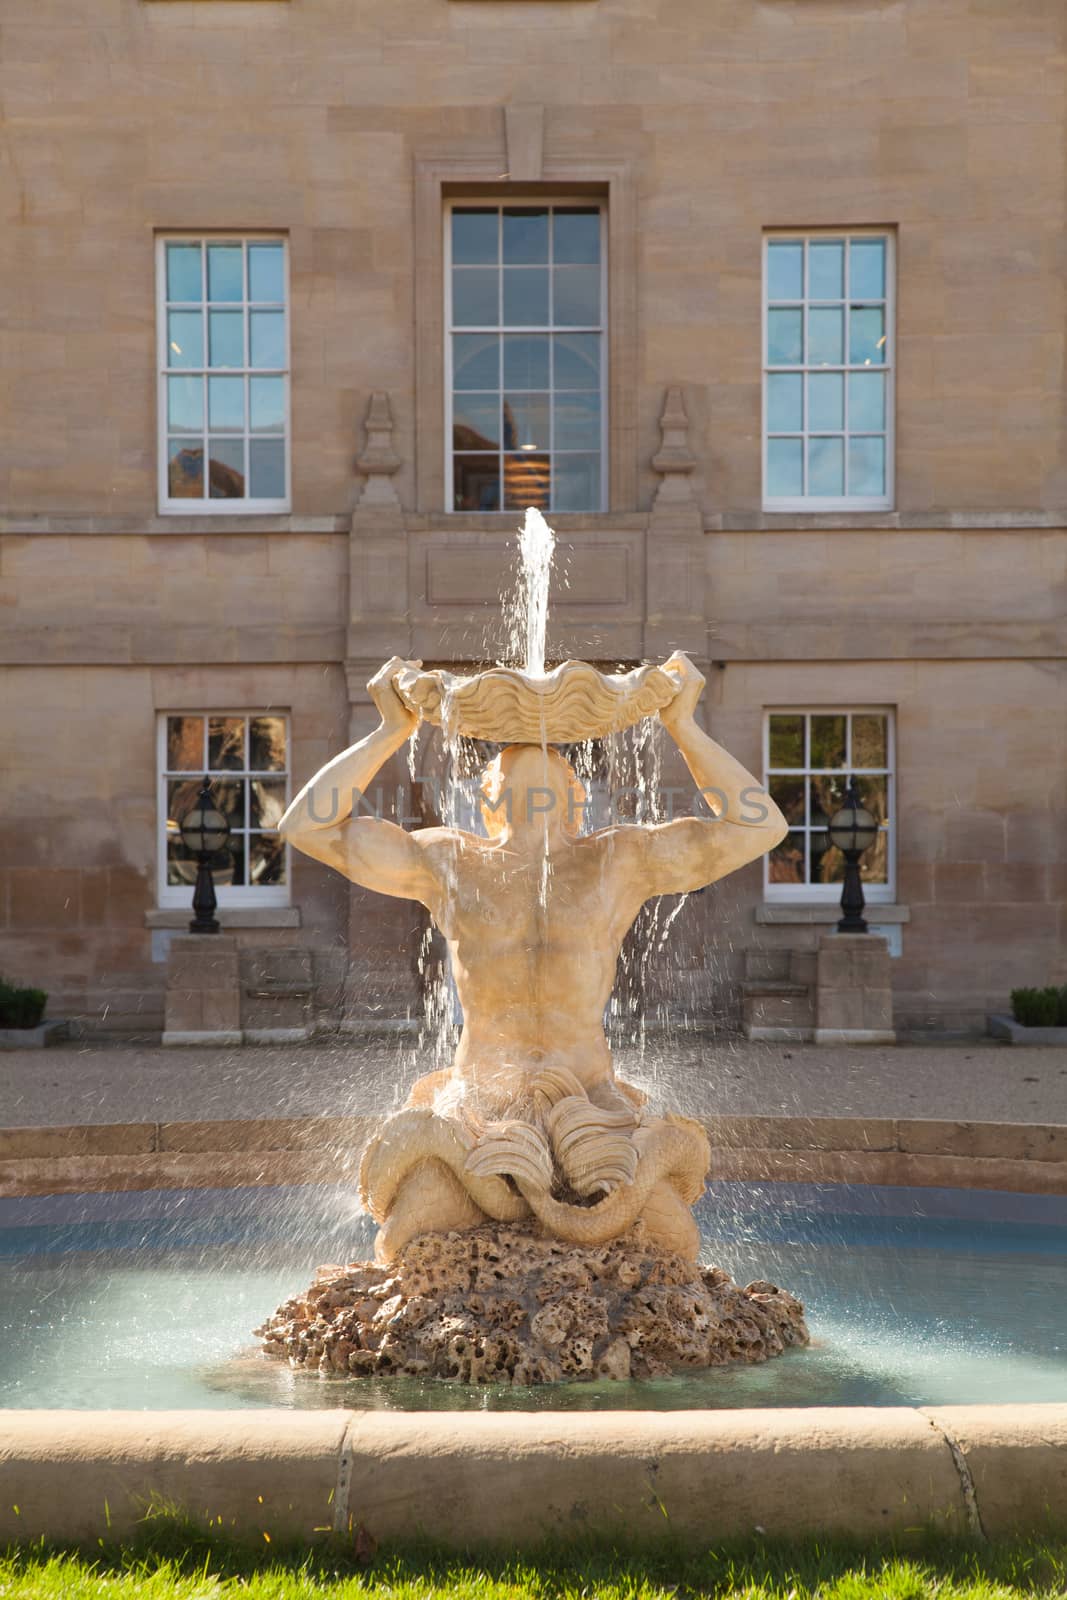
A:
978, 1081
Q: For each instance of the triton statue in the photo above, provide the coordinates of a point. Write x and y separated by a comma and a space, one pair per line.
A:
530, 1122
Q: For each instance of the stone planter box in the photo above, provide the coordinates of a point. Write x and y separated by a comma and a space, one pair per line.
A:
48, 1032
1001, 1026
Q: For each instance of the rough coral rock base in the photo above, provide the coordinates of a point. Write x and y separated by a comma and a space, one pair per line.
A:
503, 1305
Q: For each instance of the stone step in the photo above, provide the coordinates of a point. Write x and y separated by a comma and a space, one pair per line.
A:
766, 964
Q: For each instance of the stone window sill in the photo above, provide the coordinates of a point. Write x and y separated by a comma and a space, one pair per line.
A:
229, 917
777, 914
740, 520
495, 522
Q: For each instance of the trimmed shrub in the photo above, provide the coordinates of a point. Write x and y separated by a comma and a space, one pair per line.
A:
21, 1008
1040, 1008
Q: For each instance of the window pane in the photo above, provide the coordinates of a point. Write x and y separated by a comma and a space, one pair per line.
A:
788, 794
866, 466
866, 401
226, 339
476, 483
182, 864
785, 338
185, 469
226, 403
577, 483
526, 480
475, 236
226, 468
785, 864
867, 269
225, 272
230, 867
526, 361
476, 422
185, 339
226, 747
266, 460
866, 335
577, 419
576, 236
828, 741
184, 272
576, 296
182, 795
826, 400
267, 739
827, 864
266, 858
476, 297
266, 404
266, 331
266, 802
525, 296
185, 744
475, 361
827, 796
870, 741
577, 360
526, 422
874, 792
785, 411
785, 467
525, 235
266, 272
786, 739
826, 270
185, 404
874, 862
825, 336
785, 271
826, 466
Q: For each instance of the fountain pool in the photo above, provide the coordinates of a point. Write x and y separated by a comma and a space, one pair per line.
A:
914, 1297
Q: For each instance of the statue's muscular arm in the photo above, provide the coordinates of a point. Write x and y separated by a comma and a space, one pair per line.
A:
369, 850
686, 854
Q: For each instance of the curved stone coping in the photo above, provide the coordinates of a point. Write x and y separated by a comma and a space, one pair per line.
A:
513, 1477
1028, 1158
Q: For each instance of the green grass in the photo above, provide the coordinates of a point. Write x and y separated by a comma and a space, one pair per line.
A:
172, 1559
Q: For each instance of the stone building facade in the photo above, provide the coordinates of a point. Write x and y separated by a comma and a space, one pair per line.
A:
741, 156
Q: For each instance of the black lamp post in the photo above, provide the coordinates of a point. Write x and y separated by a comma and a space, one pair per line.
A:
853, 830
205, 831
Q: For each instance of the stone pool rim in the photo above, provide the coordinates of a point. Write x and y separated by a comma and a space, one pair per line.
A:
513, 1478
240, 1153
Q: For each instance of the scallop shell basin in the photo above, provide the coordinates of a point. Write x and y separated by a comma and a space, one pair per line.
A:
507, 706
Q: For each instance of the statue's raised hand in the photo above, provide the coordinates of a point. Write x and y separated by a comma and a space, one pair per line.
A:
690, 681
394, 713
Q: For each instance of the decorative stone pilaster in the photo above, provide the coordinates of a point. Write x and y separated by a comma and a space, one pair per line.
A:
675, 570
379, 460
674, 458
382, 988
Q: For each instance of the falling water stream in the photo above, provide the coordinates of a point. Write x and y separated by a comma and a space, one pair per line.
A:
537, 548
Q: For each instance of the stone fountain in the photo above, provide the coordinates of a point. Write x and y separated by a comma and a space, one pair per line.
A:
535, 1217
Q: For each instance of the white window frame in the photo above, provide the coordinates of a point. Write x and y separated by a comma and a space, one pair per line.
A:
822, 503
207, 507
243, 895
561, 202
822, 893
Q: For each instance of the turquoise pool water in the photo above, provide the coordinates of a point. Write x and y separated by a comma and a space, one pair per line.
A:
913, 1296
